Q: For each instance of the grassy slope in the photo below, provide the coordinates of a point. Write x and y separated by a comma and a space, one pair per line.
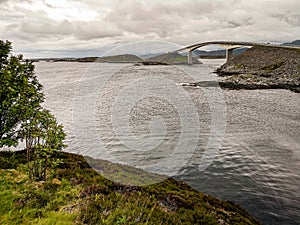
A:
77, 194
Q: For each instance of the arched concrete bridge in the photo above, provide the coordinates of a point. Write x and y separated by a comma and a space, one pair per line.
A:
228, 45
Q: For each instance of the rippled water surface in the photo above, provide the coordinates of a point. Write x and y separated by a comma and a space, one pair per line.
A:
104, 106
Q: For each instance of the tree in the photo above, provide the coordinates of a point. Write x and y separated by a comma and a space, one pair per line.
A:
22, 118
20, 94
44, 139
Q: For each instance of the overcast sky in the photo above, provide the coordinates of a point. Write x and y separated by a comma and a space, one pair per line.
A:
45, 28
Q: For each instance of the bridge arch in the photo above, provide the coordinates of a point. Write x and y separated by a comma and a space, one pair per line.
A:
228, 45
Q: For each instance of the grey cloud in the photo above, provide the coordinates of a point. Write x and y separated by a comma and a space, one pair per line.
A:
133, 16
81, 30
290, 18
238, 23
181, 21
233, 24
15, 1
35, 24
62, 28
201, 19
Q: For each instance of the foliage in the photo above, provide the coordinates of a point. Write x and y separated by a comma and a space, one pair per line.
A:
43, 137
22, 116
20, 94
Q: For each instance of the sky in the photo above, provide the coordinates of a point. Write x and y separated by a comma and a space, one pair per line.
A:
66, 28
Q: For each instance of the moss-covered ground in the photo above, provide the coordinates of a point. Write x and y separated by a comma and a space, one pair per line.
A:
79, 195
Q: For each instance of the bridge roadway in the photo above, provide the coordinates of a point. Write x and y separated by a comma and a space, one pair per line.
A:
229, 46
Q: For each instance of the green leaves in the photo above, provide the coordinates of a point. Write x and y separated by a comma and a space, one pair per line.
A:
20, 93
23, 118
44, 138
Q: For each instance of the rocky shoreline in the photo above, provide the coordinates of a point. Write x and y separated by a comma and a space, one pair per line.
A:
263, 68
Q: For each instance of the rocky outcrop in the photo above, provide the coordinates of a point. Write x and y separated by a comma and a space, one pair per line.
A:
150, 63
263, 67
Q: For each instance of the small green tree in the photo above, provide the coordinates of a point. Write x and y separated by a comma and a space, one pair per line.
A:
23, 118
44, 139
20, 93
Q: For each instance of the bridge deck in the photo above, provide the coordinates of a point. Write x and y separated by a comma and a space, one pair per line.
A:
231, 43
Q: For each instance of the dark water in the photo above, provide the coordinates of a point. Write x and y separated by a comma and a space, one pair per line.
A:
258, 163
256, 166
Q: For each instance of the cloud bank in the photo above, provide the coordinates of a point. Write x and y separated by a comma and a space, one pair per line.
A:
80, 27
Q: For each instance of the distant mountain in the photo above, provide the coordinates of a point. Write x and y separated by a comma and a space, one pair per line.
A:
293, 43
147, 56
211, 54
218, 53
87, 59
239, 51
112, 59
172, 59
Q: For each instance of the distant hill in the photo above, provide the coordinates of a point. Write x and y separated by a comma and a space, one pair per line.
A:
218, 53
112, 59
172, 59
147, 56
293, 43
107, 59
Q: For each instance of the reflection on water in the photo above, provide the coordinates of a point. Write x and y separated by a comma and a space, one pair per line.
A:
257, 165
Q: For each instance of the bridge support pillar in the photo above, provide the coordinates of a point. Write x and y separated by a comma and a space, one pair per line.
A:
190, 57
229, 54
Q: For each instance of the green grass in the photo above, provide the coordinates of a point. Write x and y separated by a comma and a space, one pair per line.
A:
26, 202
273, 67
240, 65
79, 195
